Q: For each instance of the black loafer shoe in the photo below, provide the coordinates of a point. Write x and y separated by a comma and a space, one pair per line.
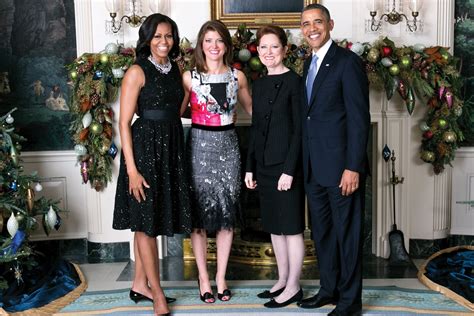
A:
295, 298
336, 312
268, 294
316, 301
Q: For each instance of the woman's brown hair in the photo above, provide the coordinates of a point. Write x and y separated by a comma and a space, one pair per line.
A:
199, 59
275, 30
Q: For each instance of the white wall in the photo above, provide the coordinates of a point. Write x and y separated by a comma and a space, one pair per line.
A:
421, 198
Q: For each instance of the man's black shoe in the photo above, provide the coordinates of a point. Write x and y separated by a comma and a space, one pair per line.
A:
336, 312
316, 301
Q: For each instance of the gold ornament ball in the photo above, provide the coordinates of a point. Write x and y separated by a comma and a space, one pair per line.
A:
405, 62
449, 137
427, 156
104, 58
373, 55
442, 123
394, 70
73, 74
95, 128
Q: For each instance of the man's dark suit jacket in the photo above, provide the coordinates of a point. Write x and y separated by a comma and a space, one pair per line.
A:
336, 121
276, 129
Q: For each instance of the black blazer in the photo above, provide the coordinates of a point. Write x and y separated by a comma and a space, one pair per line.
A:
336, 121
275, 135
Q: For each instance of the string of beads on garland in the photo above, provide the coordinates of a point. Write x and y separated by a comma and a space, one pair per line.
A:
430, 73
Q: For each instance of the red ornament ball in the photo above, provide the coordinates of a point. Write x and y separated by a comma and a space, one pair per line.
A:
428, 134
386, 51
237, 65
252, 47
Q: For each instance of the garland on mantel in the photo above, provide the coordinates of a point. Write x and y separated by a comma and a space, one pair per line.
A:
429, 72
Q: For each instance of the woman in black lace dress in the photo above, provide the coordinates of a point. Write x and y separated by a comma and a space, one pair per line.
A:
152, 195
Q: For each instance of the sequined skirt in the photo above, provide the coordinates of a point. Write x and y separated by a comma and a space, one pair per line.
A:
214, 159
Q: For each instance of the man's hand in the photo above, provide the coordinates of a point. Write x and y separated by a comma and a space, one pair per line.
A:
249, 181
349, 182
284, 183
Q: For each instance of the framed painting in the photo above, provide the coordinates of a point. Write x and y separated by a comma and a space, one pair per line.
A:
38, 39
257, 13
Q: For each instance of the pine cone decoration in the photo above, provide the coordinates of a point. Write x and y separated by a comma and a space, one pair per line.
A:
95, 99
369, 67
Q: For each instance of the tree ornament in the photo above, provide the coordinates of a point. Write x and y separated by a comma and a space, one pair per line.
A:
113, 151
357, 48
405, 62
424, 126
449, 137
394, 70
96, 128
51, 217
373, 55
402, 89
387, 62
185, 43
111, 48
255, 64
105, 147
14, 155
419, 48
441, 91
104, 58
73, 74
449, 99
442, 123
9, 119
95, 98
13, 186
457, 110
410, 101
12, 225
428, 134
244, 55
98, 185
237, 65
252, 47
386, 51
98, 74
30, 199
38, 187
84, 171
118, 72
428, 156
87, 120
80, 150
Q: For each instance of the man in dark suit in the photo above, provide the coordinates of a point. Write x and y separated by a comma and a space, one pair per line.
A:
336, 121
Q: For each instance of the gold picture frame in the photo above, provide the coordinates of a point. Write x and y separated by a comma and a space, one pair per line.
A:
228, 12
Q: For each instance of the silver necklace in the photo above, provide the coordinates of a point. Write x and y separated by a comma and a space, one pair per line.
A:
162, 68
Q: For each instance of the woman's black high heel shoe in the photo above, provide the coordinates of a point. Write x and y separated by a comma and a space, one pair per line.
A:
295, 298
137, 297
207, 297
268, 294
225, 293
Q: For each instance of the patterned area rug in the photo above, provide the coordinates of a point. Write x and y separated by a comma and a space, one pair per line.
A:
376, 301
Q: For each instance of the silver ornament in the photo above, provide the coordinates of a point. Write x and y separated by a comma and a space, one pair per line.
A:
111, 48
51, 217
244, 54
387, 62
80, 150
424, 127
12, 225
38, 187
9, 119
87, 120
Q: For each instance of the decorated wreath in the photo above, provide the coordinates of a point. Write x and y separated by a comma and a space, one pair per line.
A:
430, 73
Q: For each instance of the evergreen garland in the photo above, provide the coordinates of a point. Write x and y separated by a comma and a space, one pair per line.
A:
430, 73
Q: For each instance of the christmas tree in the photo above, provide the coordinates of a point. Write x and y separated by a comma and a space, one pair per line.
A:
19, 210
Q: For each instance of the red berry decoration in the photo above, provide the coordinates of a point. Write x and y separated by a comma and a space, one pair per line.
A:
386, 51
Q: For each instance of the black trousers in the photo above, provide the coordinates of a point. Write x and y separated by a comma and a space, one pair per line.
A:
337, 233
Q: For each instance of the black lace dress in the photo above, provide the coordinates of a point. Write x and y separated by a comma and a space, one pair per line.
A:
158, 149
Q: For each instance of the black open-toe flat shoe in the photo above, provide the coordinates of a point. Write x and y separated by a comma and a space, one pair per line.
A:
137, 297
268, 294
225, 293
207, 297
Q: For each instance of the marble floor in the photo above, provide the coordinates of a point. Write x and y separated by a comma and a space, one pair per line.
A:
176, 272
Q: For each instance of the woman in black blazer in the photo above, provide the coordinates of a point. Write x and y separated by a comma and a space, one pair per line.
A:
274, 161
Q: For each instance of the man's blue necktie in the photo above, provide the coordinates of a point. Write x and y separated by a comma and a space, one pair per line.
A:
311, 76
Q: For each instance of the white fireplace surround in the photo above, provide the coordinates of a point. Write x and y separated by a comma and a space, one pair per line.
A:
423, 200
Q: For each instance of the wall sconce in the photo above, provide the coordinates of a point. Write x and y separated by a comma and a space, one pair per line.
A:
134, 19
393, 17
